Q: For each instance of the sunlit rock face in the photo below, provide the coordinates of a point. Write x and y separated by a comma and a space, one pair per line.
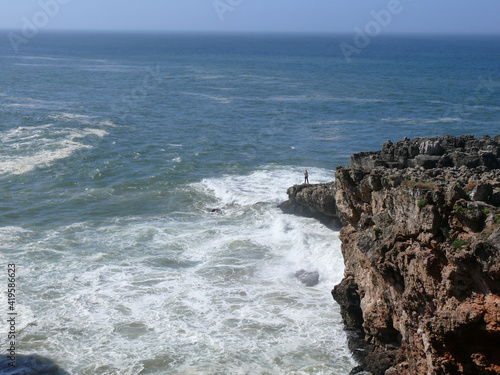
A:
421, 245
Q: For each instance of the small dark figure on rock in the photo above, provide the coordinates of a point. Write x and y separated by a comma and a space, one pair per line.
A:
306, 177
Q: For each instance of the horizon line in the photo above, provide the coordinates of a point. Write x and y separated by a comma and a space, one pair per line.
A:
256, 32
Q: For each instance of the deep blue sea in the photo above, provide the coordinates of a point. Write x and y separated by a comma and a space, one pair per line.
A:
116, 147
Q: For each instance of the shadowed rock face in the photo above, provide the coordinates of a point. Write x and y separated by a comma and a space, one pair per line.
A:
316, 201
421, 247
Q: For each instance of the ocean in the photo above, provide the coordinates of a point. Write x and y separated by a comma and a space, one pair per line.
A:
140, 176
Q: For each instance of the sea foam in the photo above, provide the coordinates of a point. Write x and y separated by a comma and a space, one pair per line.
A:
28, 148
191, 295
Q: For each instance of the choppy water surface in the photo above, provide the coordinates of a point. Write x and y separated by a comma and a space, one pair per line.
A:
115, 149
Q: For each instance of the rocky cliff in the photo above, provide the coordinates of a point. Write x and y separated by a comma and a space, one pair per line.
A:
421, 246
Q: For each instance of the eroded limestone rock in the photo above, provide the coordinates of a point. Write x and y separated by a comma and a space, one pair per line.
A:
421, 247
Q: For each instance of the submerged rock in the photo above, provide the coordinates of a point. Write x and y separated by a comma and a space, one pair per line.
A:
30, 364
308, 278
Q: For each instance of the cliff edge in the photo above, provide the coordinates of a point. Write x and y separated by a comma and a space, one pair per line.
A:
421, 245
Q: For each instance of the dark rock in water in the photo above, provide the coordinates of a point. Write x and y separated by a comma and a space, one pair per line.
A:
30, 364
308, 278
216, 211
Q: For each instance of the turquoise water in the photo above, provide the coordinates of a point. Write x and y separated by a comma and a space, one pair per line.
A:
115, 148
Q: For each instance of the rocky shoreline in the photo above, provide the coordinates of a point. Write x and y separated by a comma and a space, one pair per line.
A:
421, 244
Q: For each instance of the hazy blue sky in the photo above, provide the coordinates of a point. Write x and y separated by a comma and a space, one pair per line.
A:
429, 16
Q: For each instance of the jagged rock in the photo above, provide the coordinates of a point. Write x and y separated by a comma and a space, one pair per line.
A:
308, 278
432, 152
482, 192
421, 247
346, 295
425, 161
469, 160
495, 199
469, 217
316, 200
431, 148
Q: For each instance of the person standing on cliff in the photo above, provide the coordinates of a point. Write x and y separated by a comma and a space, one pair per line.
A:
306, 177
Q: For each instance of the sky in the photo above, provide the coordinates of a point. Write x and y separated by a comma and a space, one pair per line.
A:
302, 16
